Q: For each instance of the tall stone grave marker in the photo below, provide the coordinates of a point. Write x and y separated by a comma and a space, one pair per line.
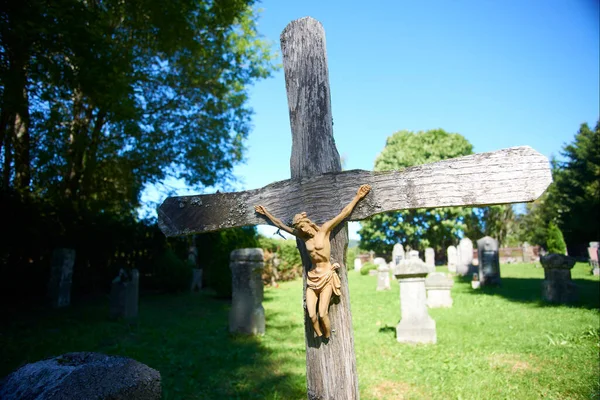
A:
452, 259
247, 315
125, 294
397, 254
430, 258
416, 326
438, 287
527, 253
383, 277
558, 287
594, 255
489, 261
61, 276
357, 264
465, 256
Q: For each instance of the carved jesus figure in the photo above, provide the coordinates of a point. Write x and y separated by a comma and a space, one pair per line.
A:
322, 280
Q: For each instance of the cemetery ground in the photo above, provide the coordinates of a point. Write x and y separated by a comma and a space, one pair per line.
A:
494, 343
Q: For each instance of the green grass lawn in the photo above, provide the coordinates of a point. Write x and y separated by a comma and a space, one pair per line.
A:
496, 343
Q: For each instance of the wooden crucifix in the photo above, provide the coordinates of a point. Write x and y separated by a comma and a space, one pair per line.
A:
318, 187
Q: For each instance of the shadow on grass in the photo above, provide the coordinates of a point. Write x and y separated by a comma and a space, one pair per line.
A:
529, 290
185, 337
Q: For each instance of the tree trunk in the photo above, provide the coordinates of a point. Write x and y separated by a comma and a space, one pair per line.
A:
91, 157
330, 365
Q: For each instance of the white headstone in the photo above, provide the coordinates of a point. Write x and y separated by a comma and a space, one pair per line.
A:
413, 255
430, 258
438, 287
383, 277
357, 264
397, 254
452, 259
416, 326
465, 258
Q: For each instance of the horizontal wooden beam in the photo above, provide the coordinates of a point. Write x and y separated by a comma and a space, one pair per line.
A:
514, 175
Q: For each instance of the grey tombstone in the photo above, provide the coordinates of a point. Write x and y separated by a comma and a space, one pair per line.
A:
593, 254
527, 252
430, 258
196, 279
61, 276
416, 326
357, 264
383, 277
247, 315
76, 376
124, 294
397, 254
465, 257
438, 287
557, 286
452, 259
489, 261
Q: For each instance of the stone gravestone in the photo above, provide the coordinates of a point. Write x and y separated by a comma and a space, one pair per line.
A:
452, 259
357, 264
247, 315
413, 255
379, 261
438, 287
318, 185
594, 254
489, 261
193, 261
465, 257
397, 254
416, 326
557, 286
61, 276
430, 258
78, 376
527, 253
383, 277
124, 294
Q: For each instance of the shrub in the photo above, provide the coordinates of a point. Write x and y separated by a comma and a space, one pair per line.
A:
171, 273
368, 266
290, 266
555, 242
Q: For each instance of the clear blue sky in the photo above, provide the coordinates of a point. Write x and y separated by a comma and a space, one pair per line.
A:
500, 73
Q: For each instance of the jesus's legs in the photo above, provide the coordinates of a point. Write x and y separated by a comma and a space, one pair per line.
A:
324, 299
311, 306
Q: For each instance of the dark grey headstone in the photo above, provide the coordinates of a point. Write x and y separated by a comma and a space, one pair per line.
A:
82, 376
247, 315
489, 261
558, 286
124, 295
61, 276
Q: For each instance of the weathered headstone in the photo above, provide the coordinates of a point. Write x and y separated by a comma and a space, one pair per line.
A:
357, 264
430, 258
527, 253
78, 376
413, 255
416, 326
379, 261
371, 256
317, 185
247, 315
397, 254
124, 294
383, 277
489, 261
61, 276
439, 287
593, 254
196, 279
465, 257
557, 286
452, 259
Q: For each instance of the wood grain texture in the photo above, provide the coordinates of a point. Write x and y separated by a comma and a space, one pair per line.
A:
515, 175
330, 364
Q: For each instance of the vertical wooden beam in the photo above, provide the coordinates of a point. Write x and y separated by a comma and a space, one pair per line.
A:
330, 364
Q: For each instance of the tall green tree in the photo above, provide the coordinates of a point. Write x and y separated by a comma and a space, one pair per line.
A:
416, 228
122, 94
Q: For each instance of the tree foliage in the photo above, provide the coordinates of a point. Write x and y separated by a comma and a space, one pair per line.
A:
555, 242
418, 228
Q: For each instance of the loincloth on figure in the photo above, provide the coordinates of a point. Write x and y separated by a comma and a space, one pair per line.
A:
317, 282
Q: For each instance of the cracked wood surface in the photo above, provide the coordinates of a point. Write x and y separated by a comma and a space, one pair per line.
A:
514, 175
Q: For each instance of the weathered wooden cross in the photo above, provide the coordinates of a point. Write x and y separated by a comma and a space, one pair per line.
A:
318, 186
